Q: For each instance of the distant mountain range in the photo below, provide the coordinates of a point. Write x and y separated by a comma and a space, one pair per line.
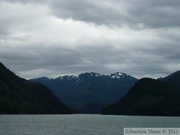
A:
89, 92
116, 94
18, 95
150, 97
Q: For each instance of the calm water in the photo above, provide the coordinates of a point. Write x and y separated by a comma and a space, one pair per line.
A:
78, 124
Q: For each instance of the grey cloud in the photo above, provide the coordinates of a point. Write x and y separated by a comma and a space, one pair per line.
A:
87, 11
134, 13
58, 61
4, 30
151, 59
162, 13
23, 1
4, 34
153, 54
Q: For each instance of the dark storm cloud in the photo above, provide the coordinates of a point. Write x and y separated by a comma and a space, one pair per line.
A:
83, 10
134, 13
161, 13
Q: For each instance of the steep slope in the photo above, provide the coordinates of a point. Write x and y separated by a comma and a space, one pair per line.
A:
20, 96
148, 97
89, 92
172, 80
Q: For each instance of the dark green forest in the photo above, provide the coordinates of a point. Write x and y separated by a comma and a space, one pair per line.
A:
148, 97
19, 96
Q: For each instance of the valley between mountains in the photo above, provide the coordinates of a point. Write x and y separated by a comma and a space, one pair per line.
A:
92, 93
89, 92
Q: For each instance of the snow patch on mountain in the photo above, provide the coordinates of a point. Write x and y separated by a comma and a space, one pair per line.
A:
117, 75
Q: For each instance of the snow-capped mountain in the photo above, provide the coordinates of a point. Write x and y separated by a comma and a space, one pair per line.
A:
118, 75
89, 92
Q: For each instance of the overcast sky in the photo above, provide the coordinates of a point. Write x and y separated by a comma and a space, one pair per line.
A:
63, 37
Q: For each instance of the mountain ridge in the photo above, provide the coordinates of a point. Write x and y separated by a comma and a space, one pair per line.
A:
87, 90
18, 95
172, 79
147, 97
116, 75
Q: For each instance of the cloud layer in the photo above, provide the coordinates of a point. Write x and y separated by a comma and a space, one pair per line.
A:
133, 13
52, 38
